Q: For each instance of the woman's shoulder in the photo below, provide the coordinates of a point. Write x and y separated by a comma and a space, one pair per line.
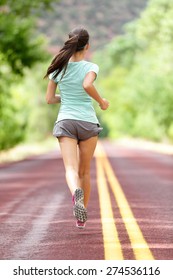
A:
90, 65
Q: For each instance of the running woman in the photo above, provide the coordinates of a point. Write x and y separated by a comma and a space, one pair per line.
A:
77, 126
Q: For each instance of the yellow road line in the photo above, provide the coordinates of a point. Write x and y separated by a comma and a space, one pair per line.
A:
139, 245
112, 246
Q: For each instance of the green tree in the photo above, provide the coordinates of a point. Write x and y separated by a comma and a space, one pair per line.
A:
140, 76
20, 47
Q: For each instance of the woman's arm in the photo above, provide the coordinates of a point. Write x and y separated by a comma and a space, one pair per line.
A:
51, 97
91, 90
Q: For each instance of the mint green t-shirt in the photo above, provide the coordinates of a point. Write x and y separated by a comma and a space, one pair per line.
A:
76, 104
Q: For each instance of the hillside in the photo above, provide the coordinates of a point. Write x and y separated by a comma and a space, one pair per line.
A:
104, 19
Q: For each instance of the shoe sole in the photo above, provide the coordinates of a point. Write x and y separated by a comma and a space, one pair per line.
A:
78, 195
79, 210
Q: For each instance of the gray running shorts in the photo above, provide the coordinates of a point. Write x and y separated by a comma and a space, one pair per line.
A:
79, 130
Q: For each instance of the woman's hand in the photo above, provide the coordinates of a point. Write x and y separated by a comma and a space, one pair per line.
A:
58, 98
104, 104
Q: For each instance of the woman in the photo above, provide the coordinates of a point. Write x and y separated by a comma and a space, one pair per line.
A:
77, 126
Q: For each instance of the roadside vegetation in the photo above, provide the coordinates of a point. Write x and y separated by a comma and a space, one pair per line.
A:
135, 75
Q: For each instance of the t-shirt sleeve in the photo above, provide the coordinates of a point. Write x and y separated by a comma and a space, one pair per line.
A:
93, 68
51, 77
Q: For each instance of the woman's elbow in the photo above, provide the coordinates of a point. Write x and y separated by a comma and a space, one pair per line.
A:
86, 86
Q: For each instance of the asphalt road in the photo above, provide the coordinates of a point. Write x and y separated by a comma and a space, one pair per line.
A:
130, 214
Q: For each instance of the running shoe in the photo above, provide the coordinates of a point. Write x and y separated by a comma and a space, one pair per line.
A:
79, 209
80, 225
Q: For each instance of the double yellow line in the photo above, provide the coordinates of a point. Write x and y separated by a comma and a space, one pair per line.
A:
112, 245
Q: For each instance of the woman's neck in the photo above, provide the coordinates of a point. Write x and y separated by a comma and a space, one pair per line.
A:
78, 56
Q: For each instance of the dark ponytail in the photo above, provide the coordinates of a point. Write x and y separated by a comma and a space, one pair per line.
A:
78, 38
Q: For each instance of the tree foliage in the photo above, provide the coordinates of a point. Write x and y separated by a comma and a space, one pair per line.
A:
20, 48
140, 80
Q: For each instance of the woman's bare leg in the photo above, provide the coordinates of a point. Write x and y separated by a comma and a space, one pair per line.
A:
86, 151
69, 148
69, 151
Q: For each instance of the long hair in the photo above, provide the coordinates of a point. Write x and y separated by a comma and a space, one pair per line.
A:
78, 39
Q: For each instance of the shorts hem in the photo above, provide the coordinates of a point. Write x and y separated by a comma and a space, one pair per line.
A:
65, 135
